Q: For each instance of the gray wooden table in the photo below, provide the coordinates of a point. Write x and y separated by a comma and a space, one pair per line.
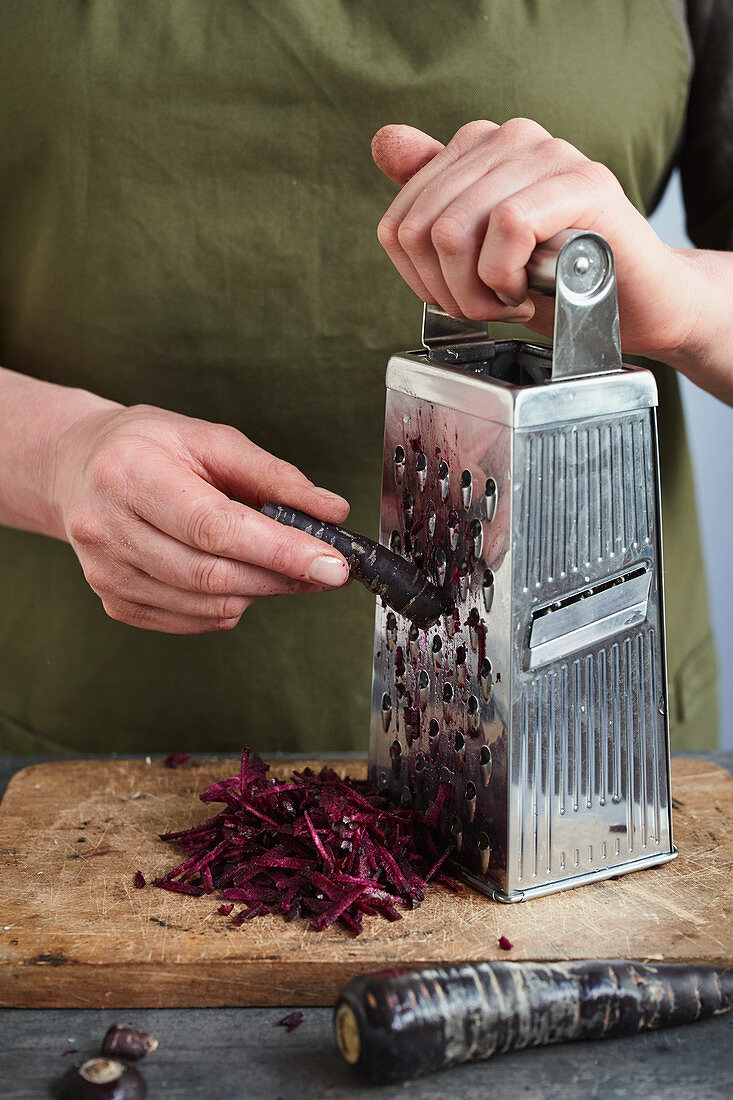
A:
241, 1053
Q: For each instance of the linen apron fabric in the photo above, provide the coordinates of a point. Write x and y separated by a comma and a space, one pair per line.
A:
187, 219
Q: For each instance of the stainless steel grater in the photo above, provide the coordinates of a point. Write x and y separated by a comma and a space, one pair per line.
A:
532, 719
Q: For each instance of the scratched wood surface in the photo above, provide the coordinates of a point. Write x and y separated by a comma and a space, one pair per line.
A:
75, 932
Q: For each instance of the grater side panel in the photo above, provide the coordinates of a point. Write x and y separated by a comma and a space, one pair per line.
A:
589, 494
589, 786
440, 698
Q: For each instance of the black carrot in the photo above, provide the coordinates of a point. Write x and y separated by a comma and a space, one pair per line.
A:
399, 1024
401, 584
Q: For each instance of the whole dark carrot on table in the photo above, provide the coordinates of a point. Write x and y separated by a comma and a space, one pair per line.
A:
399, 1024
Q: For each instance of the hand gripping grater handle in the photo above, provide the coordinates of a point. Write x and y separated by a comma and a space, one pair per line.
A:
577, 268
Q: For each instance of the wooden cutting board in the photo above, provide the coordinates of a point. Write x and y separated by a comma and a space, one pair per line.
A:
75, 932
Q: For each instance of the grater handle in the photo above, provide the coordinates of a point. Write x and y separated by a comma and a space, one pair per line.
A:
542, 265
576, 268
401, 585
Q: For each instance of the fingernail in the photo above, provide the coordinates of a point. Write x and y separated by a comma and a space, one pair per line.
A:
325, 493
522, 313
509, 300
328, 570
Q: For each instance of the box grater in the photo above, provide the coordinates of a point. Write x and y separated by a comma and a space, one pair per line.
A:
531, 721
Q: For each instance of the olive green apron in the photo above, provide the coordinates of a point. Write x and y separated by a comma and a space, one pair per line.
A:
187, 219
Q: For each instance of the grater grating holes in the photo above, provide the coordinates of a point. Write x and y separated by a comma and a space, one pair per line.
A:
421, 466
441, 566
487, 589
491, 496
476, 537
484, 850
454, 527
466, 489
443, 480
408, 508
386, 711
437, 651
485, 678
395, 755
399, 464
430, 519
485, 763
423, 689
447, 702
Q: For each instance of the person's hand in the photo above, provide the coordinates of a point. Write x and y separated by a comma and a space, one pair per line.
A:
145, 499
469, 215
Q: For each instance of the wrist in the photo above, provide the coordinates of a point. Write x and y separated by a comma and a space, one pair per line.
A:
37, 419
79, 419
700, 315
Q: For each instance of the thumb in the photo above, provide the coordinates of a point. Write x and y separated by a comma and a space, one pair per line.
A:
238, 467
401, 151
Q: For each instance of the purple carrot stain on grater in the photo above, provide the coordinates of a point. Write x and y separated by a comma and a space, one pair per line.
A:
441, 566
454, 528
443, 480
421, 469
430, 519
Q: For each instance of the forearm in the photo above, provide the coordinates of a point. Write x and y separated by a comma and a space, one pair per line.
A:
704, 352
34, 418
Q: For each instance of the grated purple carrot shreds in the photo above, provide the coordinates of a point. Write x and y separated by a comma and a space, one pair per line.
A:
175, 759
315, 847
291, 1021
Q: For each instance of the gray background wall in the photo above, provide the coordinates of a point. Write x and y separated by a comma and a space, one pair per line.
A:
710, 429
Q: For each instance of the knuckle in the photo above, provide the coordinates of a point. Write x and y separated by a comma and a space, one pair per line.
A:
449, 234
474, 308
142, 411
228, 437
226, 624
122, 612
489, 271
232, 607
559, 151
472, 132
597, 176
211, 528
387, 232
276, 470
523, 129
509, 216
98, 577
281, 556
84, 527
212, 575
110, 470
413, 235
230, 434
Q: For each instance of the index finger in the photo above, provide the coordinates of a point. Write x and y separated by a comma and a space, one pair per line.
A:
188, 508
463, 142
